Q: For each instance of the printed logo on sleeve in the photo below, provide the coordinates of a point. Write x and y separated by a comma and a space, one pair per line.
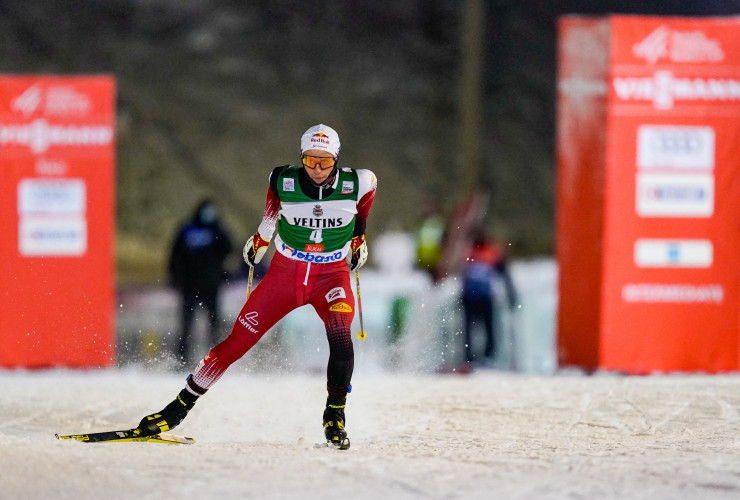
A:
335, 293
288, 185
249, 321
341, 307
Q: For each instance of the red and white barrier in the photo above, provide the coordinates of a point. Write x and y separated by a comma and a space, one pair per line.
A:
57, 143
649, 193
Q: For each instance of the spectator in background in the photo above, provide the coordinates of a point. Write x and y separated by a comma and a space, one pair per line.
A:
196, 271
429, 238
486, 261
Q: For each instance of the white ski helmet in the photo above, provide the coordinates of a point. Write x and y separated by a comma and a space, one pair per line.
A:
321, 137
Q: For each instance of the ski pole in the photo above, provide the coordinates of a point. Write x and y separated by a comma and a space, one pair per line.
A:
361, 334
249, 281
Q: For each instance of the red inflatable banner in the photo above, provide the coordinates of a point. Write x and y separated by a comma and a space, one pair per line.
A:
649, 193
57, 141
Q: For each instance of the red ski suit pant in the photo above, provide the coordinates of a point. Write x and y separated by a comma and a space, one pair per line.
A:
287, 285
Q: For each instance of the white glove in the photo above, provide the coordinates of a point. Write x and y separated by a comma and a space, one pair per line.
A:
254, 250
359, 253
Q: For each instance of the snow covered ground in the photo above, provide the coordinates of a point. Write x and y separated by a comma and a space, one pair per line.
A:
527, 432
490, 434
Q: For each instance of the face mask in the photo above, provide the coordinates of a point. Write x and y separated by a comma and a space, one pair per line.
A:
208, 215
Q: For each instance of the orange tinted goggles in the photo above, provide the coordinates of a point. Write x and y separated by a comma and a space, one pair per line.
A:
320, 161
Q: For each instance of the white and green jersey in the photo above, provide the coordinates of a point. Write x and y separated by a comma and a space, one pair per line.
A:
316, 230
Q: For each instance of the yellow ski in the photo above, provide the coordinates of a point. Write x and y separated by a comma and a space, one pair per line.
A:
128, 436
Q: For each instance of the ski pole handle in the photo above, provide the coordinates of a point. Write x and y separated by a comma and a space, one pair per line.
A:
361, 334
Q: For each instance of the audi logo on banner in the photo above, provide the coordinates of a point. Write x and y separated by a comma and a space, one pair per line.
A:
681, 147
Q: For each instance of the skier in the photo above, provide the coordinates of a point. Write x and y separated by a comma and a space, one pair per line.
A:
320, 212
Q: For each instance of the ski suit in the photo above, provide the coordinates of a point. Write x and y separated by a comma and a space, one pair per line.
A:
315, 226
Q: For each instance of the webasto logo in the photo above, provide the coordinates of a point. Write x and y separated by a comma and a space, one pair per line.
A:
664, 89
311, 257
39, 135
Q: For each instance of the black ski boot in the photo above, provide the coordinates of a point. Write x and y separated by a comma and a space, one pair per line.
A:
334, 422
170, 417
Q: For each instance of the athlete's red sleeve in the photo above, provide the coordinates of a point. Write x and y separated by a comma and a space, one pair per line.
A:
270, 216
363, 210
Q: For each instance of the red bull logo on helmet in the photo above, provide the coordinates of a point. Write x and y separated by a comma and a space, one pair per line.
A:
320, 138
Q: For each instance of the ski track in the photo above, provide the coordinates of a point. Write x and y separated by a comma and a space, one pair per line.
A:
485, 435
